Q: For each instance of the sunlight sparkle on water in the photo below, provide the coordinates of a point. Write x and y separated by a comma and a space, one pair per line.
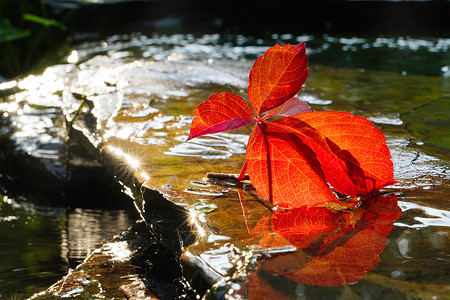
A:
8, 85
435, 217
118, 250
73, 57
131, 161
193, 219
145, 176
9, 107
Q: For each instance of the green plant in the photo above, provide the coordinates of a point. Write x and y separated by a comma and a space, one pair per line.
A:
27, 30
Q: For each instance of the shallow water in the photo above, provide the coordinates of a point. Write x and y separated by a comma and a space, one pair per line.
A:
144, 90
40, 244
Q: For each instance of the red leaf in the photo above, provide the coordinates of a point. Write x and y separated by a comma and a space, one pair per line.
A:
299, 227
351, 151
302, 226
336, 255
290, 158
284, 170
277, 76
219, 113
259, 289
291, 107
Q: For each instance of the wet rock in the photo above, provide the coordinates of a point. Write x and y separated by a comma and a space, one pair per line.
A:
133, 265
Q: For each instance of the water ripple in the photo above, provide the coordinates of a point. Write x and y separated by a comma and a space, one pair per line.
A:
436, 217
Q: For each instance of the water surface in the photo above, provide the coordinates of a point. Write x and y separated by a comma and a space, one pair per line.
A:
144, 89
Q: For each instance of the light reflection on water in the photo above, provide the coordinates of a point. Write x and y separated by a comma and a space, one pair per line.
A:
87, 229
218, 146
39, 244
216, 46
433, 216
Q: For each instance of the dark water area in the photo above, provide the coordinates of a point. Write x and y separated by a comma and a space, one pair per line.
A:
258, 17
39, 244
58, 203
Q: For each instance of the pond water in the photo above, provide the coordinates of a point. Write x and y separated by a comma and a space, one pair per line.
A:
143, 90
41, 243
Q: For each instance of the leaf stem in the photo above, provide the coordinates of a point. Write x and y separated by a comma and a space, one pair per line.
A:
269, 163
243, 170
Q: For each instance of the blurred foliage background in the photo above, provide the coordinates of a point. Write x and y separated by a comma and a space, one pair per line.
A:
35, 33
28, 29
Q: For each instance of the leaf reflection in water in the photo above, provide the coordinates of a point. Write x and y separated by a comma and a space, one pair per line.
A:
332, 248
